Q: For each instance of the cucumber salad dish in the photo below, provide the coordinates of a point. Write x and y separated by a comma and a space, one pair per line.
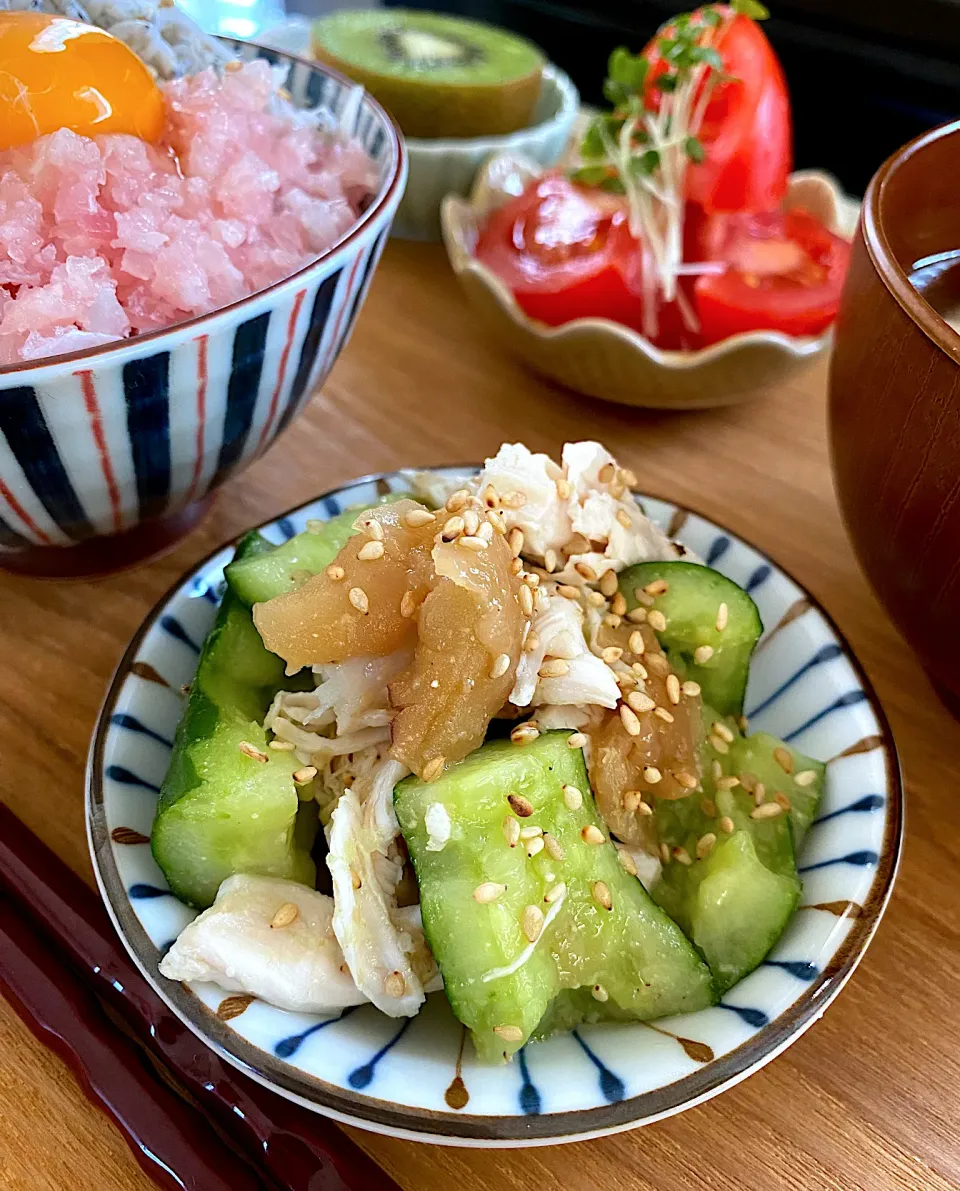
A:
485, 737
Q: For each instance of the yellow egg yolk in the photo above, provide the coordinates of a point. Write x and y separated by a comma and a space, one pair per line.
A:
56, 73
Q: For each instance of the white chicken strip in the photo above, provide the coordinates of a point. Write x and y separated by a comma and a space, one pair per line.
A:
559, 633
388, 961
299, 966
543, 517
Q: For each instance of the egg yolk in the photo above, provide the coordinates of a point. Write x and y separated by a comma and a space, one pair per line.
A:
56, 73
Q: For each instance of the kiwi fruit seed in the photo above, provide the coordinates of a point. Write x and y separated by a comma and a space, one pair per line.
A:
438, 76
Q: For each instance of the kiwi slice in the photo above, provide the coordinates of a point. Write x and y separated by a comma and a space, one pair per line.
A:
438, 76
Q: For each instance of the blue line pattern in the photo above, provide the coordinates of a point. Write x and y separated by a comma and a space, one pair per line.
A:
798, 968
869, 802
611, 1085
718, 548
362, 1077
132, 724
759, 577
171, 625
825, 654
847, 700
287, 1047
753, 1017
119, 773
530, 1103
859, 859
140, 891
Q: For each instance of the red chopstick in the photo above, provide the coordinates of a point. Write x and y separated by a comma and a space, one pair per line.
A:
170, 1140
292, 1148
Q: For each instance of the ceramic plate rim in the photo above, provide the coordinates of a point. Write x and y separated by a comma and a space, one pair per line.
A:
422, 1124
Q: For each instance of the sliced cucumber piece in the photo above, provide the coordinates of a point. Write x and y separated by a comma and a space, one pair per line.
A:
732, 896
482, 899
221, 810
255, 579
691, 605
778, 765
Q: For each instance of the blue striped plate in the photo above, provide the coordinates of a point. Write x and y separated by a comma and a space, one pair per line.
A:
416, 1079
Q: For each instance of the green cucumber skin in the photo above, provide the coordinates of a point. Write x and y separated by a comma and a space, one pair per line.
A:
690, 606
639, 956
220, 811
755, 754
736, 902
254, 579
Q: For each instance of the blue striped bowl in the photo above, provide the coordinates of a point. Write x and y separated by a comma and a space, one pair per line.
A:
415, 1078
97, 442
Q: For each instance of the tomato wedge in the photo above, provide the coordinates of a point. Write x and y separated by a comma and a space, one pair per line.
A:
746, 130
566, 252
785, 272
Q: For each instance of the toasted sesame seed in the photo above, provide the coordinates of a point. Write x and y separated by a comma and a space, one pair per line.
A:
642, 598
554, 668
370, 550
658, 663
705, 843
531, 832
656, 620
783, 801
606, 473
806, 777
516, 566
485, 532
728, 783
468, 542
531, 922
511, 831
624, 518
658, 587
600, 993
591, 834
585, 571
783, 759
433, 769
722, 731
640, 702
358, 598
251, 751
532, 643
628, 477
691, 689
531, 578
417, 518
525, 596
601, 895
716, 769
709, 807
652, 775
395, 985
355, 879
509, 1033
534, 847
554, 892
568, 592
489, 891
719, 743
644, 808
631, 800
408, 604
636, 642
572, 798
452, 528
612, 620
702, 654
514, 500
490, 498
612, 653
723, 616
456, 500
673, 688
550, 561
748, 781
498, 523
768, 810
744, 724
640, 670
374, 529
682, 856
625, 681
282, 746
608, 583
520, 806
577, 740
501, 664
618, 605
627, 863
471, 521
555, 850
727, 825
515, 541
686, 779
302, 776
665, 853
759, 793
629, 720
563, 488
287, 913
663, 714
637, 615
335, 573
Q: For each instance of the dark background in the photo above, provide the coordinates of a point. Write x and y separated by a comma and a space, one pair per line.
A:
864, 75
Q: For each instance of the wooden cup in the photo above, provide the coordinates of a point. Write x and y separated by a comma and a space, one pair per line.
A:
895, 403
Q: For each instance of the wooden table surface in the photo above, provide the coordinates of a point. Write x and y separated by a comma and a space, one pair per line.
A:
867, 1099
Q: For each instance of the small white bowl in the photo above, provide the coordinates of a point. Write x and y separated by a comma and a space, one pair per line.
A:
605, 359
443, 166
